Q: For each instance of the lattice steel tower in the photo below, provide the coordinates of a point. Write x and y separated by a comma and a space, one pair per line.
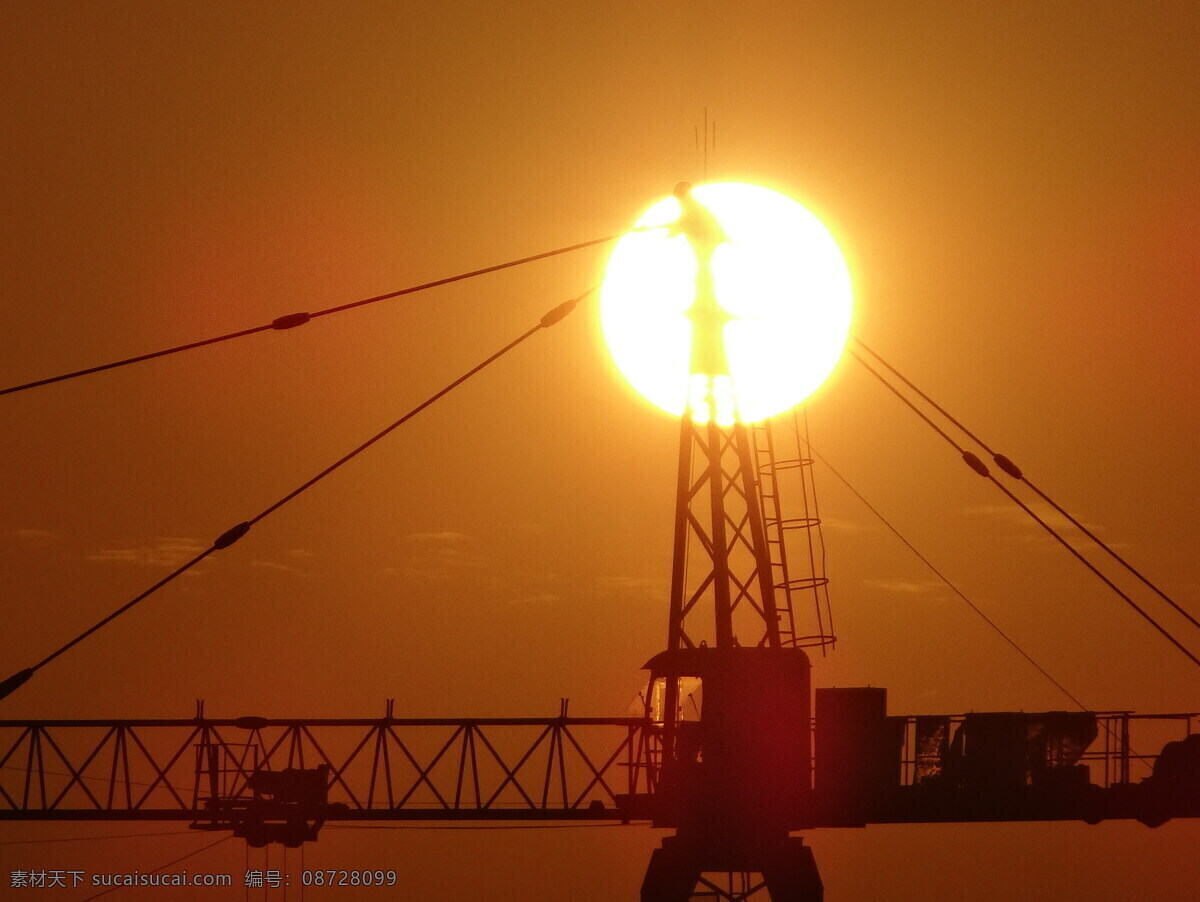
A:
732, 767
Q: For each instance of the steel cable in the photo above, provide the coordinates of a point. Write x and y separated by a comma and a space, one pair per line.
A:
236, 532
292, 320
979, 467
1010, 468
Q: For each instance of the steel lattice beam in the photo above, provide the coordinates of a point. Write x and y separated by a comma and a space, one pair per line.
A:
563, 768
390, 768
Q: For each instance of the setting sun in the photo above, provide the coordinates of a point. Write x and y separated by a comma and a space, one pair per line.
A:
728, 300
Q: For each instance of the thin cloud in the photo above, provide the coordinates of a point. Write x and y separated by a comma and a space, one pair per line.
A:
837, 524
436, 556
33, 535
905, 586
161, 553
276, 567
636, 587
1024, 528
437, 538
537, 598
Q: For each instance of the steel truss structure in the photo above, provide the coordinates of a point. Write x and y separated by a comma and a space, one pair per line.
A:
722, 589
204, 770
211, 771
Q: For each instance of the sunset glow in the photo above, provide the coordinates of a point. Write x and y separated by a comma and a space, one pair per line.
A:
783, 293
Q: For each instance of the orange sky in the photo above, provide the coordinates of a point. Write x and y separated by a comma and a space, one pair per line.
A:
1015, 189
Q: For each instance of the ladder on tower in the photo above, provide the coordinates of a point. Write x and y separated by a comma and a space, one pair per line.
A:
795, 543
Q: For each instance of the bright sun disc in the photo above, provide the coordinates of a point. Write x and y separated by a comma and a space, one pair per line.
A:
781, 315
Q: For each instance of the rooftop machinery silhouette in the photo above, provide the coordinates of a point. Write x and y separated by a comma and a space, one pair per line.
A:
726, 751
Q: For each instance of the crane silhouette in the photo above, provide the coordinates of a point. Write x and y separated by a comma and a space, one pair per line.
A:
748, 761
